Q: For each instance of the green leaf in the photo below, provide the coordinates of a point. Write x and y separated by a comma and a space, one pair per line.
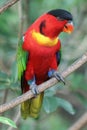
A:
50, 104
50, 92
7, 121
66, 105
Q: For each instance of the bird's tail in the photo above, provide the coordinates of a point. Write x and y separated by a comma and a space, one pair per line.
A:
31, 107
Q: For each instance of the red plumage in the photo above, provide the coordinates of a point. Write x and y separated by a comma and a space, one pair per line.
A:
42, 45
41, 58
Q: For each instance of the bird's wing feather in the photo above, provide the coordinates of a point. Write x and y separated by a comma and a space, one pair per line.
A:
21, 59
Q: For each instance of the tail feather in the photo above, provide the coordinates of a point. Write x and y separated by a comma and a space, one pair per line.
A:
25, 109
31, 107
35, 105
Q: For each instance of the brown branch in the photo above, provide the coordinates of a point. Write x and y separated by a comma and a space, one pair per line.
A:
79, 123
6, 6
44, 86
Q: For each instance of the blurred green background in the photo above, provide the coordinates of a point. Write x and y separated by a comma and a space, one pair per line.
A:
71, 100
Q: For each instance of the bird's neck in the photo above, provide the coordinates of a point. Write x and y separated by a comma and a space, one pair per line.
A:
44, 40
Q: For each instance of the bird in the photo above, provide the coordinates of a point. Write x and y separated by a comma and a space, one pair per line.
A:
39, 55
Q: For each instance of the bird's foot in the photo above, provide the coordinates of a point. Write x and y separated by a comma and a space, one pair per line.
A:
34, 89
53, 73
33, 86
59, 77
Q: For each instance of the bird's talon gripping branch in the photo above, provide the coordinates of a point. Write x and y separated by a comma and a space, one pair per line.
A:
58, 77
33, 86
34, 89
53, 73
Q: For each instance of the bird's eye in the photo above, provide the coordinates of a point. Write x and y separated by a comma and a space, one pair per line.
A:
61, 19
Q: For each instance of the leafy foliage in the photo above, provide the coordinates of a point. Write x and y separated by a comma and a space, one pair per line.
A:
73, 47
50, 104
7, 121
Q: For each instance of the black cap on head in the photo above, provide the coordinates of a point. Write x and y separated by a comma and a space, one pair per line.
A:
63, 14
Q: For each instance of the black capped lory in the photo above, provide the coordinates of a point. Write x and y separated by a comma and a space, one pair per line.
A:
39, 54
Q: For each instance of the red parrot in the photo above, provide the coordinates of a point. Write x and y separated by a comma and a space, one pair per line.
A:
39, 55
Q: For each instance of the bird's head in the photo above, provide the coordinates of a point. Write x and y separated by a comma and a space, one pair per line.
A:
56, 21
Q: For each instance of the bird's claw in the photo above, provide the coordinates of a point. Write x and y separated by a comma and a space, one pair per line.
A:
58, 77
34, 89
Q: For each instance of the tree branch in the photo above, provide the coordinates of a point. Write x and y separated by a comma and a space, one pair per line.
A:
6, 6
79, 123
44, 86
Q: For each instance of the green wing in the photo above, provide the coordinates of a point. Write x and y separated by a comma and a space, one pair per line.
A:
21, 59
